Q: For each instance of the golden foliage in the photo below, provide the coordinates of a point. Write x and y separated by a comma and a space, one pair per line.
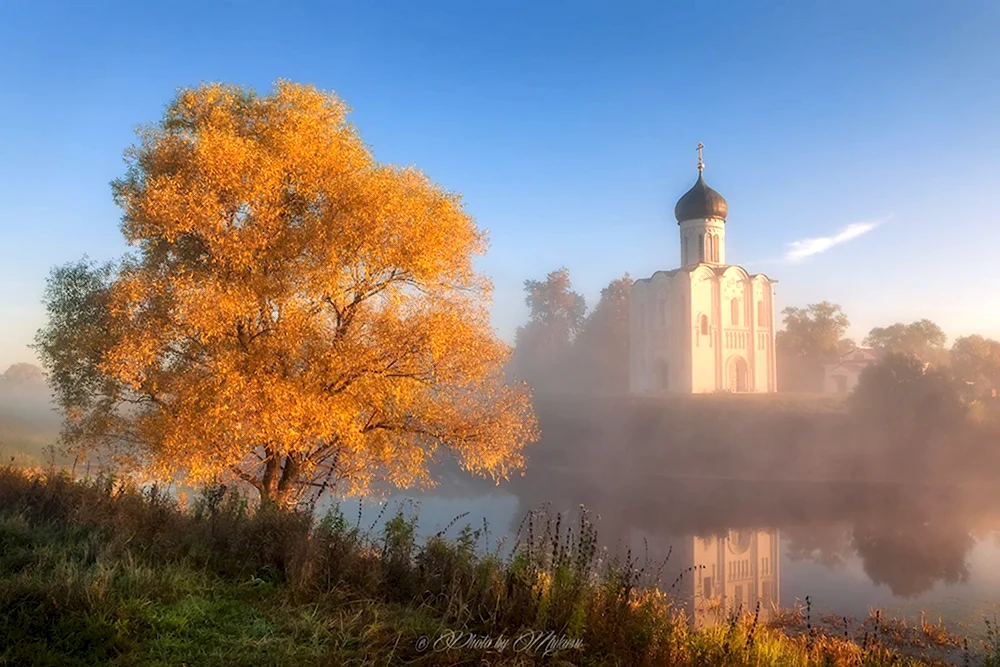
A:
297, 310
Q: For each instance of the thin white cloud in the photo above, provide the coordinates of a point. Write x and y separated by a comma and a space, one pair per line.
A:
800, 250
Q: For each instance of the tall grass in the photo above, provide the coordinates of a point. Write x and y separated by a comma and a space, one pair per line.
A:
101, 572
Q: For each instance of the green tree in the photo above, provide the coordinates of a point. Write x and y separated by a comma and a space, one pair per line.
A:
922, 339
543, 345
812, 336
554, 303
23, 373
976, 359
901, 396
600, 351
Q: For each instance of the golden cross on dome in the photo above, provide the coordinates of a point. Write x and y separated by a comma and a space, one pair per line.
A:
701, 164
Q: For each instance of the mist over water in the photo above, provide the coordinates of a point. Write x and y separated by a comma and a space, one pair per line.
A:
910, 549
861, 518
29, 422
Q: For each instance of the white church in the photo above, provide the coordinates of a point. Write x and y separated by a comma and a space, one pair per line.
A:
707, 326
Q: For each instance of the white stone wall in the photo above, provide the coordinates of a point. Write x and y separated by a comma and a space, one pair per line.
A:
735, 343
832, 386
705, 330
703, 241
684, 336
850, 367
672, 351
656, 350
765, 377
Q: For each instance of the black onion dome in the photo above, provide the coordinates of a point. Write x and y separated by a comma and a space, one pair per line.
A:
700, 201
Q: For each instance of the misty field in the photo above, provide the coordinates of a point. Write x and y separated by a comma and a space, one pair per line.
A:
29, 426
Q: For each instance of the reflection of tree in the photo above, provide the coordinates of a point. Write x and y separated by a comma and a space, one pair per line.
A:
908, 551
910, 554
828, 543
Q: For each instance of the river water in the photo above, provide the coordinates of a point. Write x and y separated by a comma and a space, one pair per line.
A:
911, 550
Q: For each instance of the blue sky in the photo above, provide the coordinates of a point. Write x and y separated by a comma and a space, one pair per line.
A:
570, 129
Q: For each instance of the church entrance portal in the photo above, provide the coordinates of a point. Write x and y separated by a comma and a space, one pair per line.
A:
738, 375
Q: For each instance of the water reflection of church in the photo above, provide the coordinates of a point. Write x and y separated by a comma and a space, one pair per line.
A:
730, 573
913, 539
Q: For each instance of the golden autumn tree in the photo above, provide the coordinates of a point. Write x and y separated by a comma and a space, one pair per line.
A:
294, 313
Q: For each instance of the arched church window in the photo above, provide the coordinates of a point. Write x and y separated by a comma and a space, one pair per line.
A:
704, 325
715, 248
701, 248
735, 306
760, 313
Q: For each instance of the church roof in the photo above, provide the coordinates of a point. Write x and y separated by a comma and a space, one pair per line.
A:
718, 269
700, 201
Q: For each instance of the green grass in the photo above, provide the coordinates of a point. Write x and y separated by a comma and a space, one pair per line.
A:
99, 573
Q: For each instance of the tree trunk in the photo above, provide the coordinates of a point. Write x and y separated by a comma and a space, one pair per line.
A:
269, 483
288, 485
280, 484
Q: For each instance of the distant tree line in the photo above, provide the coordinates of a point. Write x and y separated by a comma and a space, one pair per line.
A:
23, 374
814, 336
564, 348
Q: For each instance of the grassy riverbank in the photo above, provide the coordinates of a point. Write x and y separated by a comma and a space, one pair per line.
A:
96, 572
